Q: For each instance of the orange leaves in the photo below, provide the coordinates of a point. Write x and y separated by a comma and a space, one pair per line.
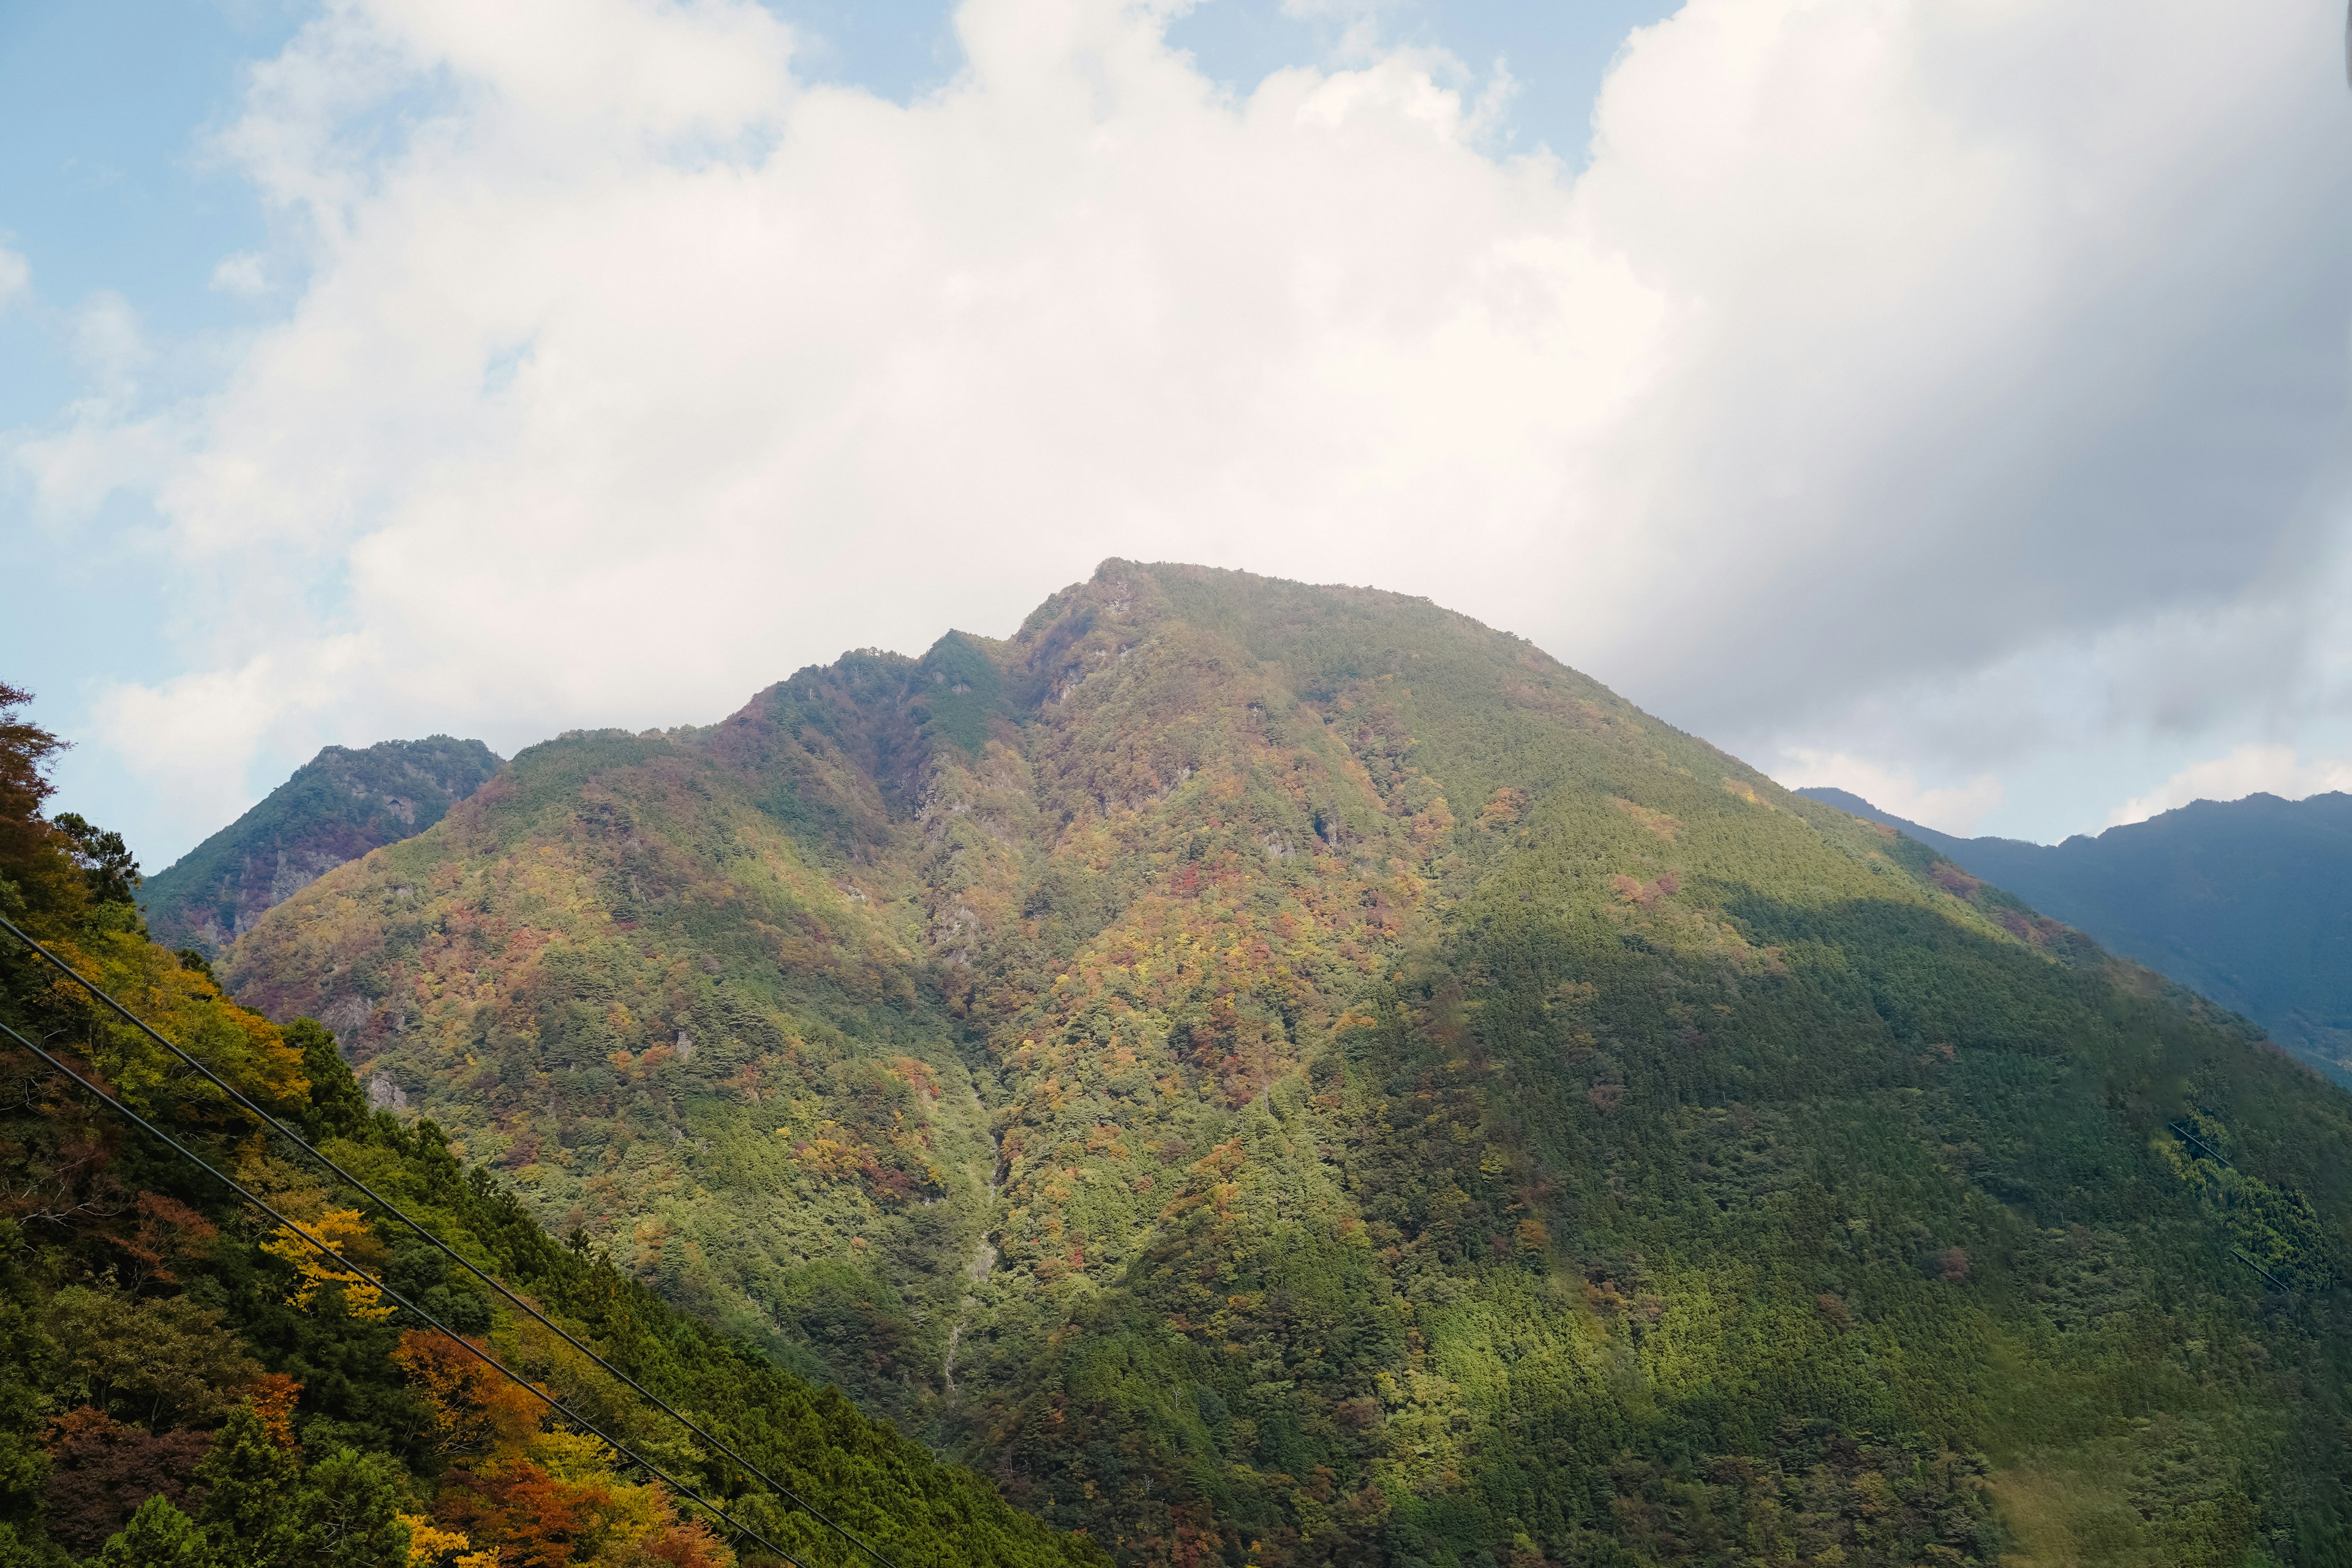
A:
1646, 894
168, 1232
273, 1397
684, 1545
534, 1520
475, 1409
1503, 808
1657, 822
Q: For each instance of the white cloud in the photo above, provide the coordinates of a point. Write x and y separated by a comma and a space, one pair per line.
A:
1880, 346
241, 274
15, 277
2248, 770
1955, 809
107, 343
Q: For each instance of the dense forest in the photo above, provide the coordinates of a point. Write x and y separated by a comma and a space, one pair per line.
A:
187, 1384
2239, 901
1282, 1075
338, 806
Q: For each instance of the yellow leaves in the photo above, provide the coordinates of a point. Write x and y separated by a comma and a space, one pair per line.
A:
571, 1456
833, 1153
185, 1007
430, 1546
1657, 822
348, 1234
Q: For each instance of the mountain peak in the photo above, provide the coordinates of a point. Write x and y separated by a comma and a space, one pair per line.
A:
1291, 1073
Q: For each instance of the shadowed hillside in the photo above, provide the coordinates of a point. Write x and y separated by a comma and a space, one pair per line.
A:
1291, 1075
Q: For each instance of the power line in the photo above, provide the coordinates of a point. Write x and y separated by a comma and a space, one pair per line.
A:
353, 1269
778, 1488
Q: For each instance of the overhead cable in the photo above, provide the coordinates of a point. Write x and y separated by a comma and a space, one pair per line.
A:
238, 1096
354, 1271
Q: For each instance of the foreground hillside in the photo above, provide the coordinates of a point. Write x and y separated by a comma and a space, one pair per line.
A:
2243, 900
182, 1385
338, 806
1290, 1075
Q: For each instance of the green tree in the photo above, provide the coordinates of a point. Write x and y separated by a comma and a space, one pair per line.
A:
109, 869
348, 1508
250, 1513
157, 1361
23, 1348
337, 1106
158, 1536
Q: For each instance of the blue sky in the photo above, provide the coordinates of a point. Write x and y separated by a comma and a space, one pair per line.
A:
2037, 322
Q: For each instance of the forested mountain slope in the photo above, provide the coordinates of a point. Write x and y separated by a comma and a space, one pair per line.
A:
1291, 1075
2248, 901
336, 807
184, 1385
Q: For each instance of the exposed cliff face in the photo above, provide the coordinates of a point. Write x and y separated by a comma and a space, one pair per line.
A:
1292, 1073
337, 806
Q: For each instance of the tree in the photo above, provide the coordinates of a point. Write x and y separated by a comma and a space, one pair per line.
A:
347, 1232
165, 1360
475, 1409
158, 1536
34, 855
26, 752
250, 1511
109, 869
337, 1106
350, 1513
101, 1470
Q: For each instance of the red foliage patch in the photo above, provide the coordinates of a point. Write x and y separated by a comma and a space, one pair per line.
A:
101, 1470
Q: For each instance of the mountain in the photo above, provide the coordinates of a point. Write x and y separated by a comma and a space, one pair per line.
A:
2248, 901
183, 1382
1285, 1075
338, 806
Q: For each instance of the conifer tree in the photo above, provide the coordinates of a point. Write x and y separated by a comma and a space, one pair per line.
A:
349, 1510
250, 1513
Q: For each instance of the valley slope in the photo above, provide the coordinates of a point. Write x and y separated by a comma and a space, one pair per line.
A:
1292, 1075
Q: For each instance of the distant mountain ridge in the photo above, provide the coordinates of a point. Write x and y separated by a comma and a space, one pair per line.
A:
2248, 901
336, 807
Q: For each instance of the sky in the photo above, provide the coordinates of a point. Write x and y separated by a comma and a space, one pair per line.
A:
1944, 401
